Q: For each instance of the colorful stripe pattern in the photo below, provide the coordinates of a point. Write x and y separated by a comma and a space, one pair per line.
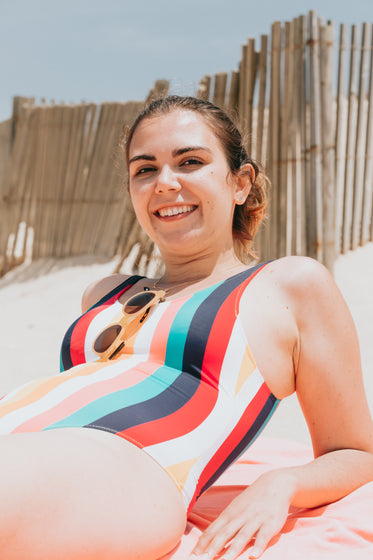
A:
185, 389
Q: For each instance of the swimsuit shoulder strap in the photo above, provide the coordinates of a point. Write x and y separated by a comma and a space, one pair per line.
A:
118, 290
243, 279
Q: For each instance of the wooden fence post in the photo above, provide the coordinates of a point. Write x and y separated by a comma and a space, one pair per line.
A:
327, 144
301, 171
340, 138
220, 86
261, 108
358, 187
273, 146
314, 199
367, 225
284, 229
350, 144
232, 104
203, 91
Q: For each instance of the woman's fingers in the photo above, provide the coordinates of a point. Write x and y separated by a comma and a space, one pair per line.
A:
260, 511
261, 542
216, 536
238, 541
235, 533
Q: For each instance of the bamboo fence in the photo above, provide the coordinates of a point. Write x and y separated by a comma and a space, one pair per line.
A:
304, 100
314, 139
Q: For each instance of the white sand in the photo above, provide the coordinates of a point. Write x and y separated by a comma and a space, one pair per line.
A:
39, 301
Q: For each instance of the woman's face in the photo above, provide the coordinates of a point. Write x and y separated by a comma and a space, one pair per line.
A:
181, 188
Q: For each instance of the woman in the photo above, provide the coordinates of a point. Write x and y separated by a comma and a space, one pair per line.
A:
187, 372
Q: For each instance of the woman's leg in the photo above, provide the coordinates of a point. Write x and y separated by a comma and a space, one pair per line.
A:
84, 494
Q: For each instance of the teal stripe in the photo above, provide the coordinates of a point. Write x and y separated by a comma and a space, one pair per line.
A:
144, 390
153, 385
178, 332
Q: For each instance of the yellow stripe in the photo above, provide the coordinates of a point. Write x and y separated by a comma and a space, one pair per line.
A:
180, 471
41, 387
246, 369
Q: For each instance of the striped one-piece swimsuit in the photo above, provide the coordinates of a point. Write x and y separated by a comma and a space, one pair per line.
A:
185, 388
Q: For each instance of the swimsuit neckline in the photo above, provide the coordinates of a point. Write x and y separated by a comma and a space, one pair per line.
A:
211, 287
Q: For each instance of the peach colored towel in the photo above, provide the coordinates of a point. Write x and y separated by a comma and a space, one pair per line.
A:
339, 531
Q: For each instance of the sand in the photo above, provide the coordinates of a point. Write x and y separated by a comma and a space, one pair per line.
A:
38, 301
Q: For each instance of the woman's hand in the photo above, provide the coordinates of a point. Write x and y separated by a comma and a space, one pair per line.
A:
260, 511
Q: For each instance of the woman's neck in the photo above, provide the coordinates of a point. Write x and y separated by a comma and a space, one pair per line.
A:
205, 267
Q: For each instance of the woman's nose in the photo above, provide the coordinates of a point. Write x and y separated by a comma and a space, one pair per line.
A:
167, 180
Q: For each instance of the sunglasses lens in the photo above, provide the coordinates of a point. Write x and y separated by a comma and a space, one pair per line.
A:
137, 302
106, 338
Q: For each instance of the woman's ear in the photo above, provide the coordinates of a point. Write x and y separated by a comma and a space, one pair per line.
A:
244, 181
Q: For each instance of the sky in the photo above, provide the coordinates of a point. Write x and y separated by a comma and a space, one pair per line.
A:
114, 50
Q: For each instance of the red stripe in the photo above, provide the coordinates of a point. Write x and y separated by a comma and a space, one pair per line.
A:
246, 421
138, 444
79, 333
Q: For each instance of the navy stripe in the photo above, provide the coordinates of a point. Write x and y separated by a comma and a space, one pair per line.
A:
66, 359
246, 441
129, 282
176, 395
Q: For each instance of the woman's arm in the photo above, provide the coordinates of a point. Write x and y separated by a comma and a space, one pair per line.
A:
330, 390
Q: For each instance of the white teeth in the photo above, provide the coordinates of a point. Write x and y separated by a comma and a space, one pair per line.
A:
173, 211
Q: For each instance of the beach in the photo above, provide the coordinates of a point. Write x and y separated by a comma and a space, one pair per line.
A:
39, 300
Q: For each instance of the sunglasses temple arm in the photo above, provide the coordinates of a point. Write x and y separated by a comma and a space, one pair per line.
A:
116, 351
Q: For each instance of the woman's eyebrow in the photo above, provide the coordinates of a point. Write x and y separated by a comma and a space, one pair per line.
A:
175, 153
181, 151
147, 157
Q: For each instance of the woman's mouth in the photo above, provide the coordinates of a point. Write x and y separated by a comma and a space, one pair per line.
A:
175, 211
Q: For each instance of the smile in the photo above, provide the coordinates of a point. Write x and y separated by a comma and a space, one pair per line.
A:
175, 211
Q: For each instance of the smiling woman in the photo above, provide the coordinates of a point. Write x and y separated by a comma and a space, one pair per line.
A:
167, 381
188, 169
219, 130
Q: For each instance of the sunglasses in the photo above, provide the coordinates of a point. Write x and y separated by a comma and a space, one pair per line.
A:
135, 310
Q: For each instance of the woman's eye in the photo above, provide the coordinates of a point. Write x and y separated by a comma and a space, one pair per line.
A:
191, 161
144, 170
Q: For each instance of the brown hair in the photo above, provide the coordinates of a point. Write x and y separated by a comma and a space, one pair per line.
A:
247, 217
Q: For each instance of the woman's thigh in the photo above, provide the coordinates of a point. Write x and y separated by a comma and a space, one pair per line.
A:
84, 494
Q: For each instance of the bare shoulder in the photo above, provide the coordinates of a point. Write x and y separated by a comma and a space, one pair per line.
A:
290, 269
308, 289
302, 278
96, 290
